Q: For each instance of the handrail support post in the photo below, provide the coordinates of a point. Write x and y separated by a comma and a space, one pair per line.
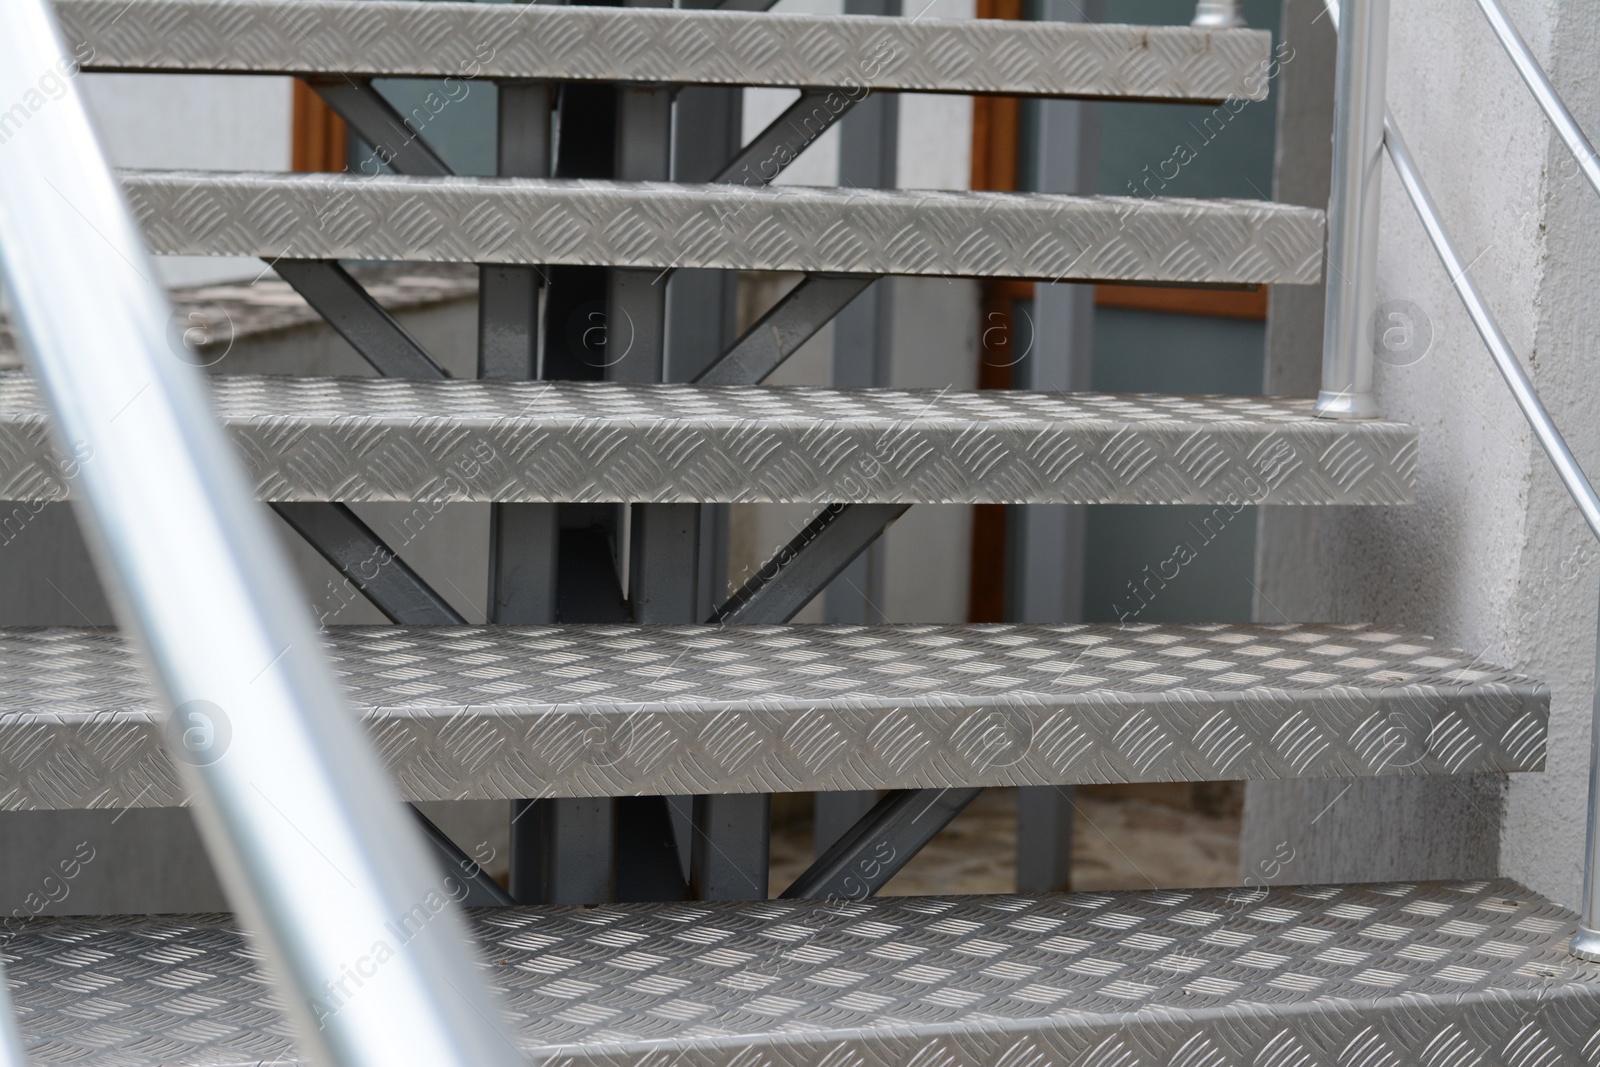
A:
1218, 15
1586, 941
1353, 207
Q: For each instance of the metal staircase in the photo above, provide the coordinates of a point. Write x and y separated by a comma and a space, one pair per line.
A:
563, 713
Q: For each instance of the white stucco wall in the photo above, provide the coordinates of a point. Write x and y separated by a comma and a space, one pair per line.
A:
1493, 557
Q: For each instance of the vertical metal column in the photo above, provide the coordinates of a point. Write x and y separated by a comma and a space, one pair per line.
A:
1218, 15
1044, 551
560, 849
702, 307
636, 315
1586, 941
730, 856
869, 142
863, 339
522, 552
1347, 345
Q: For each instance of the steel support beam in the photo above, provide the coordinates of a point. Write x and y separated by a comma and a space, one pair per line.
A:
1044, 551
377, 572
862, 347
376, 121
664, 552
555, 850
874, 850
664, 558
803, 568
786, 136
791, 322
358, 318
637, 299
1044, 838
466, 883
835, 813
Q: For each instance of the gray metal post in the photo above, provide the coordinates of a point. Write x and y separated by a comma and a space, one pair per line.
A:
1347, 346
572, 840
1044, 554
636, 315
559, 848
869, 137
1586, 942
729, 857
863, 339
1218, 15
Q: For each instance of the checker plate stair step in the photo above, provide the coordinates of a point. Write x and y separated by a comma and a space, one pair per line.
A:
1438, 974
367, 439
484, 712
659, 225
560, 43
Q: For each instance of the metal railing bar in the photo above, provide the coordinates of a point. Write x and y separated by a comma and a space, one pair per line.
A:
301, 820
1545, 93
1505, 360
10, 1041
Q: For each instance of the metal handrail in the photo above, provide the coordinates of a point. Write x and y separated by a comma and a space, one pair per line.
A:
1586, 942
300, 819
10, 1041
1545, 93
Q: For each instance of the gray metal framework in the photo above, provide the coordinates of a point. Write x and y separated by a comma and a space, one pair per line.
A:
643, 45
650, 225
877, 845
1433, 974
371, 116
484, 712
802, 569
359, 319
362, 439
790, 323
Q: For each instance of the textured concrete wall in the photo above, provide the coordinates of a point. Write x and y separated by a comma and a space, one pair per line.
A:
1492, 558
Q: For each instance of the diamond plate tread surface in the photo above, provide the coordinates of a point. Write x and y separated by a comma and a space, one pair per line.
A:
479, 712
467, 41
1437, 974
366, 439
658, 225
